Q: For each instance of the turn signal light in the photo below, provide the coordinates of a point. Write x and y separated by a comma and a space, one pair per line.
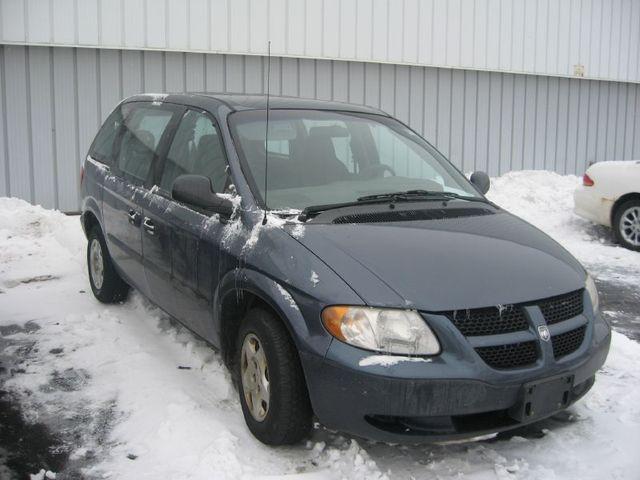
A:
586, 181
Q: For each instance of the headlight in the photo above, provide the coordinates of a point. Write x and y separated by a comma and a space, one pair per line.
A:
590, 286
383, 330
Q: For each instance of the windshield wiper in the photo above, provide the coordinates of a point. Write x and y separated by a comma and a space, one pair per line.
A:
315, 209
414, 195
418, 195
393, 197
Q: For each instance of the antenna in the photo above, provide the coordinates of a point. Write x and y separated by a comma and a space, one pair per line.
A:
266, 134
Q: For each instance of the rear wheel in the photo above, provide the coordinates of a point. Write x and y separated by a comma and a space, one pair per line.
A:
106, 284
273, 393
626, 224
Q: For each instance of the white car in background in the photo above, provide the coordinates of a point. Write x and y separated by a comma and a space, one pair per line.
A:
610, 196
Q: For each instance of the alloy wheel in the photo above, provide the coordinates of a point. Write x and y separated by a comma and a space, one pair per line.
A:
630, 226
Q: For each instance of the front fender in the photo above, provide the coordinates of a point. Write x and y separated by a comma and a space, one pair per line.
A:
299, 312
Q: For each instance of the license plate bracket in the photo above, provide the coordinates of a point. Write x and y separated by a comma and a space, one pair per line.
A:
542, 397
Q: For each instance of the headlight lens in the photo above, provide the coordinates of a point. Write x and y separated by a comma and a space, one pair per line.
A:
402, 332
590, 286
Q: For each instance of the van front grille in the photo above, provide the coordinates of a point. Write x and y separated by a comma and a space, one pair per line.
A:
489, 321
567, 342
513, 355
563, 307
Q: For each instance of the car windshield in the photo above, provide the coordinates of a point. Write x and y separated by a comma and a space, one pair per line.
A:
330, 157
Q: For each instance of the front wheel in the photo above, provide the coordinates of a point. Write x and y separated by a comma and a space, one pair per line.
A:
626, 224
106, 284
273, 393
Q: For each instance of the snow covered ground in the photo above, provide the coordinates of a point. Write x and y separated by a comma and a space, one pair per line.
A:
122, 392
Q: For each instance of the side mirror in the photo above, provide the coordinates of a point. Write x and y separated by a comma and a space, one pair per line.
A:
196, 190
481, 181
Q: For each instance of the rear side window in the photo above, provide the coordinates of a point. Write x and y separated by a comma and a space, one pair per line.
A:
142, 132
196, 149
102, 147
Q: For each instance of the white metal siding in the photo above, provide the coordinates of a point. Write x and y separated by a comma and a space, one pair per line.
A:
546, 37
53, 99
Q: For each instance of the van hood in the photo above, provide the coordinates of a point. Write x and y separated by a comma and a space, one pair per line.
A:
450, 264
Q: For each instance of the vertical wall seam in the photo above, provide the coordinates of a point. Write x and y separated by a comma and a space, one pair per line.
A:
555, 147
586, 147
5, 119
143, 75
464, 116
184, 72
54, 140
123, 35
418, 17
99, 86
606, 135
76, 119
500, 125
635, 116
423, 129
624, 127
575, 158
450, 151
145, 24
513, 114
615, 122
25, 20
488, 120
475, 136
120, 79
32, 172
566, 144
595, 158
166, 23
524, 122
535, 125
386, 54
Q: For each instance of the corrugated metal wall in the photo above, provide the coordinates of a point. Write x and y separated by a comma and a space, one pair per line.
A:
531, 36
53, 100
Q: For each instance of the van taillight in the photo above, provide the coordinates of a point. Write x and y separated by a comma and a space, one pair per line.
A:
81, 173
586, 181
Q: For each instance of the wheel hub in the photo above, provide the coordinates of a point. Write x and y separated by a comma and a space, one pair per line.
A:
96, 264
255, 377
630, 226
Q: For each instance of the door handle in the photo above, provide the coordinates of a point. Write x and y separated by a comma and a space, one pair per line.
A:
133, 217
148, 226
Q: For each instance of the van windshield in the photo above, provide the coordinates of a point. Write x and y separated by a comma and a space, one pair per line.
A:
328, 157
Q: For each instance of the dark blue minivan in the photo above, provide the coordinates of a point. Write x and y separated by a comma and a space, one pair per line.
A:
346, 271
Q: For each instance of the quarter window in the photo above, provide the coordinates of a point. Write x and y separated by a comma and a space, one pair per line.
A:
143, 129
196, 149
102, 147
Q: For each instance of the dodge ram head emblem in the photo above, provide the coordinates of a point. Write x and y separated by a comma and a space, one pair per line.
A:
543, 331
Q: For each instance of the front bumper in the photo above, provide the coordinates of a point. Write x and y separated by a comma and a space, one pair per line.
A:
450, 396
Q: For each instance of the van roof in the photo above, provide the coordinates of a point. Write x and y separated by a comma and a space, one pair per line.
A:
238, 102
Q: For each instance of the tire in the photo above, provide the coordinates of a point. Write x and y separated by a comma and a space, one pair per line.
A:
287, 418
107, 286
628, 215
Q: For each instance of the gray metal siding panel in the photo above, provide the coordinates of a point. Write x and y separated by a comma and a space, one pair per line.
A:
546, 37
54, 99
44, 169
18, 128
